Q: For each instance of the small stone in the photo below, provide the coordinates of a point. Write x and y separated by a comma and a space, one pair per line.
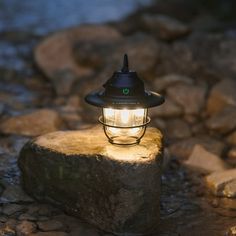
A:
223, 122
13, 194
162, 83
84, 232
231, 139
51, 225
3, 219
232, 231
25, 228
51, 233
33, 124
183, 148
205, 161
221, 95
7, 231
103, 184
190, 97
27, 217
231, 157
223, 183
10, 209
168, 109
165, 27
177, 128
54, 55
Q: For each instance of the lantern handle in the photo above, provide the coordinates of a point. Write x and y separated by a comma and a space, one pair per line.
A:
125, 67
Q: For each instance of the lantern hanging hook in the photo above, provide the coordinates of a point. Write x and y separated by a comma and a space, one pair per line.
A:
125, 67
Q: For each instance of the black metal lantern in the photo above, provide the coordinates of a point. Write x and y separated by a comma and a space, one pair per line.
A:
124, 102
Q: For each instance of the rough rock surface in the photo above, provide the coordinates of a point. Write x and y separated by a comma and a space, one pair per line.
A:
115, 188
32, 124
222, 94
223, 183
223, 122
205, 161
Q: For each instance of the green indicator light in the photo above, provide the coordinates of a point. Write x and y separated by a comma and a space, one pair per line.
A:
125, 91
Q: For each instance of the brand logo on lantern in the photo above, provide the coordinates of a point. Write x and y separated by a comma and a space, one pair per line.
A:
125, 91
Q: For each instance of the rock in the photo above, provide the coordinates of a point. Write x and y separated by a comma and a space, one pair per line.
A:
177, 128
169, 109
165, 27
14, 194
163, 82
54, 55
205, 161
84, 232
231, 157
51, 225
223, 183
7, 231
190, 97
112, 187
223, 122
183, 148
222, 94
231, 139
51, 233
25, 228
10, 209
32, 124
231, 231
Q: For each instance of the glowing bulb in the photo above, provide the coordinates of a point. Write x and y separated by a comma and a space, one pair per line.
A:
124, 116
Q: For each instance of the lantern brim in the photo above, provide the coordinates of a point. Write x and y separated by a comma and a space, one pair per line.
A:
150, 99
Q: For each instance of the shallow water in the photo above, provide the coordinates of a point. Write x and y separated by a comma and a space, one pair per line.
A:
43, 16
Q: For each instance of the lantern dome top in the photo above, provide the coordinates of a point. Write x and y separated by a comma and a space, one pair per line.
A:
124, 90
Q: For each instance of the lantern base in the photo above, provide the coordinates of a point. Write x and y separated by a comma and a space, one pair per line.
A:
124, 140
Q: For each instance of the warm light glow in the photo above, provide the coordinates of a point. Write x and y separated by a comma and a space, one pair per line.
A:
124, 122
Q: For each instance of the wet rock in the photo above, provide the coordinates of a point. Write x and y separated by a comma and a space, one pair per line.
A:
84, 232
27, 217
25, 228
202, 160
7, 231
231, 139
223, 122
32, 124
10, 209
113, 181
222, 94
165, 27
54, 55
183, 148
13, 194
177, 128
169, 109
51, 225
223, 183
190, 97
163, 82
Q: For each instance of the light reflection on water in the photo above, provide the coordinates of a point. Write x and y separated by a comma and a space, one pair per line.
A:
43, 16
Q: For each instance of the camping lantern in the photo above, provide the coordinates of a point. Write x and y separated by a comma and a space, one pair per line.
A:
124, 102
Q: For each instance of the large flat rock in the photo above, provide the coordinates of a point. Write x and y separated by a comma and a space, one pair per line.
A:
114, 188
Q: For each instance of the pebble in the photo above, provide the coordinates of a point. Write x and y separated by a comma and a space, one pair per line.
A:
164, 26
13, 194
51, 225
223, 122
32, 124
51, 233
231, 157
231, 139
10, 209
190, 97
222, 94
177, 128
163, 82
183, 148
25, 228
222, 183
205, 161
